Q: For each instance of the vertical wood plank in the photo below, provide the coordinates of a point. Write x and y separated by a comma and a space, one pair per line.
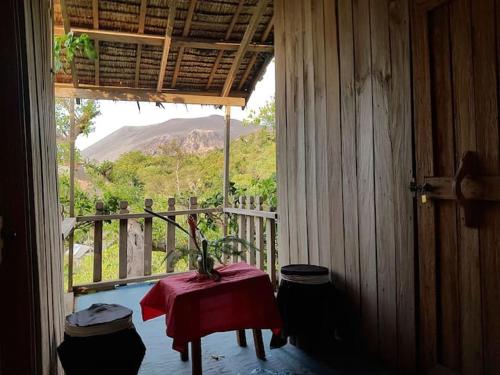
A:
97, 274
242, 228
122, 242
148, 239
486, 93
271, 250
281, 131
465, 128
310, 198
251, 233
384, 181
364, 156
402, 156
259, 235
236, 234
193, 204
334, 143
349, 165
170, 245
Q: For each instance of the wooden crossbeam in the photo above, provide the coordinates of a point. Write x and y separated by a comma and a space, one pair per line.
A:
155, 40
66, 30
140, 30
185, 33
227, 36
95, 21
133, 94
252, 61
245, 42
166, 43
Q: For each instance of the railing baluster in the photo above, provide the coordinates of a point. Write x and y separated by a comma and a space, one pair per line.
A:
242, 227
193, 203
170, 248
122, 245
259, 235
271, 249
235, 233
251, 233
148, 239
70, 260
99, 210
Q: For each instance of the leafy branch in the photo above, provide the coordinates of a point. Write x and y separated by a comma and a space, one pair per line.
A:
67, 46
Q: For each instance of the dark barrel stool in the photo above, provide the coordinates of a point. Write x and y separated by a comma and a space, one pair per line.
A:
101, 340
307, 303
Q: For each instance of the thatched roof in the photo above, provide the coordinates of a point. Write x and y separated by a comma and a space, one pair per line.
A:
214, 49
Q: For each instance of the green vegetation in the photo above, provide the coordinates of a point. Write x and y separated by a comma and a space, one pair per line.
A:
170, 172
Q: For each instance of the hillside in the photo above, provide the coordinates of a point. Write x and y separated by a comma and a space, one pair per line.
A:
194, 135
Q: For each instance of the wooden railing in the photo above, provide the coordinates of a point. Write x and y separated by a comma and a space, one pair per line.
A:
254, 224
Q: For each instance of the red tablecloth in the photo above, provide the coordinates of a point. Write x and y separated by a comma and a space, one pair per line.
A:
195, 307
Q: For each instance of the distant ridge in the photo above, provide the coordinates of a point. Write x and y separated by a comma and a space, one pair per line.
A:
193, 135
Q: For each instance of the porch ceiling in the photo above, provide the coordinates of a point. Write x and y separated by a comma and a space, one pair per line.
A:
182, 51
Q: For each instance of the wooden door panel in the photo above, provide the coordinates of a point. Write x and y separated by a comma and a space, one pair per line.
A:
455, 70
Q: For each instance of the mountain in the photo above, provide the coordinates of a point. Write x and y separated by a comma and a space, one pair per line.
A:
193, 135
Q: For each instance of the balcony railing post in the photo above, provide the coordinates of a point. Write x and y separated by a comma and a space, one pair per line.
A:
148, 238
193, 204
122, 245
170, 248
99, 210
235, 233
271, 250
251, 233
242, 227
259, 234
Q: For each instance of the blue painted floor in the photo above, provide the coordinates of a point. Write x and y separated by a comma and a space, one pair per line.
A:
221, 354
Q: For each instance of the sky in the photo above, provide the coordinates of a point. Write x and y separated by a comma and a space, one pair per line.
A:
115, 115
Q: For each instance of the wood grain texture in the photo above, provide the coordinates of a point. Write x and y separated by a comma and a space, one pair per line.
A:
148, 239
122, 242
172, 9
97, 274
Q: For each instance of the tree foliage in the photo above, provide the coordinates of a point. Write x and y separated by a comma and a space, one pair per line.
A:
85, 115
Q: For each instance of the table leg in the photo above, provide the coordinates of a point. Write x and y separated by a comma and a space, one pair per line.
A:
185, 353
241, 337
196, 357
259, 344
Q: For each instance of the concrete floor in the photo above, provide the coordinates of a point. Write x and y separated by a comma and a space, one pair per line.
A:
221, 354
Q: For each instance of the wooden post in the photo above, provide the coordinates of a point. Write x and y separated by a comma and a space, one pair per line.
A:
193, 204
72, 137
122, 249
148, 239
170, 249
260, 352
251, 233
271, 250
227, 143
259, 235
99, 210
235, 247
242, 227
196, 366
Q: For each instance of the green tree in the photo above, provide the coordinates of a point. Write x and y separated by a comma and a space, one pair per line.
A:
264, 116
85, 115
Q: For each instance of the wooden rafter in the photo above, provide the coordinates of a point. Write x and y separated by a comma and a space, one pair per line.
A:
245, 42
132, 94
252, 61
155, 40
67, 29
185, 33
140, 30
95, 19
227, 36
166, 43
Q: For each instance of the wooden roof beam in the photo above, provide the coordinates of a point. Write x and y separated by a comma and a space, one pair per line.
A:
140, 30
227, 36
66, 30
155, 40
185, 33
252, 61
172, 8
132, 94
95, 19
245, 42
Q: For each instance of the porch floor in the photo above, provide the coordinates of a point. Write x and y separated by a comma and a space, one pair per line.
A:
221, 354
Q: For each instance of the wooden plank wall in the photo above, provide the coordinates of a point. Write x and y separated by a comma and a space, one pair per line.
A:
45, 216
343, 96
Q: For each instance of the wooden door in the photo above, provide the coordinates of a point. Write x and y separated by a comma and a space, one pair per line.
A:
456, 54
